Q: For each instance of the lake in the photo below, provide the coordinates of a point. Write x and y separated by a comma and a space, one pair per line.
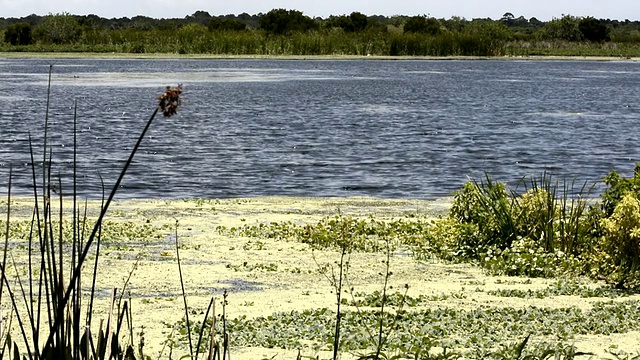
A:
389, 129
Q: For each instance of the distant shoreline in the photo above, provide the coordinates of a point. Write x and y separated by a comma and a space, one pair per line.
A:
164, 56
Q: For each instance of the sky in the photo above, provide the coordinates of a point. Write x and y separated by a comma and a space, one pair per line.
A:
541, 9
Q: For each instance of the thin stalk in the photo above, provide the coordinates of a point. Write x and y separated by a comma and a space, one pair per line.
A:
212, 340
95, 263
336, 339
3, 270
225, 339
14, 304
75, 238
87, 246
184, 294
46, 128
37, 219
50, 266
204, 322
384, 302
60, 286
6, 232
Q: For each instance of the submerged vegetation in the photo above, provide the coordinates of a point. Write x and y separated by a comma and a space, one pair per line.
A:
290, 32
545, 230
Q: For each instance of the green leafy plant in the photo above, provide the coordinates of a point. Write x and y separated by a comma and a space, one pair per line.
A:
538, 233
487, 206
343, 235
618, 187
621, 243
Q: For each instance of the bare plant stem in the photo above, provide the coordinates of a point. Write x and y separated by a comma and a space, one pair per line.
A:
184, 294
338, 288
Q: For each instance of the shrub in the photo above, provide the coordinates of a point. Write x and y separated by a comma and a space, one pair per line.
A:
446, 239
618, 187
536, 212
621, 243
422, 24
18, 34
538, 233
489, 207
594, 30
58, 29
281, 21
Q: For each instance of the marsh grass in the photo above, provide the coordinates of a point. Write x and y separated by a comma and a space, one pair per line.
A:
194, 40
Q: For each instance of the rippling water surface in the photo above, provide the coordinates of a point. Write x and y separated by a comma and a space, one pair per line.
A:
402, 129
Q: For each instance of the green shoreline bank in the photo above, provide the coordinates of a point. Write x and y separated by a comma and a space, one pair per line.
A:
152, 56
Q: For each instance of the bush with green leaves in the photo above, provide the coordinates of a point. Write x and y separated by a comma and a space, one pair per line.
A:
613, 256
487, 206
445, 239
620, 245
537, 233
618, 187
18, 34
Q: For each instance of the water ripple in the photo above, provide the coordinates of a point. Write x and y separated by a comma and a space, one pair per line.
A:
407, 129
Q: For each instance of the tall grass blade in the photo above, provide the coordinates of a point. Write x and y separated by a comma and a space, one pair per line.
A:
6, 235
204, 322
87, 246
4, 279
184, 295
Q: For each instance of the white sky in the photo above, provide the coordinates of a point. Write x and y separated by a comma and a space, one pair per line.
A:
541, 9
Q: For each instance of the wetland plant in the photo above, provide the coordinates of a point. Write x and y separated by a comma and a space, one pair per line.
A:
346, 239
47, 304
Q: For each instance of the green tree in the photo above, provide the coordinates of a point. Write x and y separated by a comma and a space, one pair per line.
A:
422, 24
359, 21
18, 34
507, 18
169, 25
565, 28
200, 17
58, 29
226, 24
456, 23
594, 30
354, 22
281, 21
494, 30
343, 22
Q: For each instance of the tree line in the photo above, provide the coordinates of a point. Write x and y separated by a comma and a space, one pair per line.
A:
282, 31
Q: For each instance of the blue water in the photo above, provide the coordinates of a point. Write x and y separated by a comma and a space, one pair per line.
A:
393, 129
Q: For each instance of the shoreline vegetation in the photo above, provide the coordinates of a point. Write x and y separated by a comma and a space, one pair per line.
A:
176, 56
291, 34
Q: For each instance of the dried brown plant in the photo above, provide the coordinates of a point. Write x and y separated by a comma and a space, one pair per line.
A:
170, 100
